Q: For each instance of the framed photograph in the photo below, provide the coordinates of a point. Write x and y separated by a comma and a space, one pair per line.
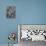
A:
11, 12
32, 32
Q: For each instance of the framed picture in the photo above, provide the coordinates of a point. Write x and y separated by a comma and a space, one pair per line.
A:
32, 32
11, 12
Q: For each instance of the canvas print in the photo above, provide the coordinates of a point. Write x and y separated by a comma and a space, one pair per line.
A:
11, 12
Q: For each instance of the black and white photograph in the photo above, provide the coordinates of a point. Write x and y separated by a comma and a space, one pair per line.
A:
11, 12
31, 34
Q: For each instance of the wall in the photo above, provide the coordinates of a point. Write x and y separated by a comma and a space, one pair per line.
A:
27, 12
31, 11
6, 25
